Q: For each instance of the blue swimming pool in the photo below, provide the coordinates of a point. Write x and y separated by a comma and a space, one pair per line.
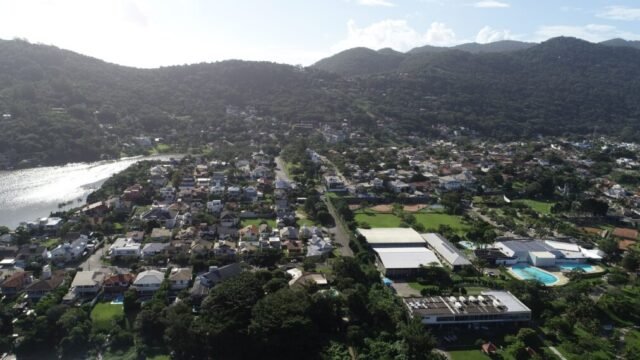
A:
585, 267
528, 272
118, 300
468, 245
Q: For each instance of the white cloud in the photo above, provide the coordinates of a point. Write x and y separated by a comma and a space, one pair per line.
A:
396, 34
620, 13
376, 3
488, 35
440, 34
491, 4
590, 32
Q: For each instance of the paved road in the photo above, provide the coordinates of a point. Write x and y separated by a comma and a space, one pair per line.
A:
557, 353
93, 262
328, 162
340, 234
280, 169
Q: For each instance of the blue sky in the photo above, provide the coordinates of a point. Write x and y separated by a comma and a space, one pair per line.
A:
151, 33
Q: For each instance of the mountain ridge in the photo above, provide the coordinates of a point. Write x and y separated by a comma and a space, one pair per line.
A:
367, 64
561, 86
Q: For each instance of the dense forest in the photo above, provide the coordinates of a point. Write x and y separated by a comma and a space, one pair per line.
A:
63, 106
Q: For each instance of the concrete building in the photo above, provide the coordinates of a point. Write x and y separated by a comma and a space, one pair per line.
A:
87, 282
545, 252
392, 237
404, 261
125, 247
489, 307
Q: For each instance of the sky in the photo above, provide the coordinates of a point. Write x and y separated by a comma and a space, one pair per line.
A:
153, 33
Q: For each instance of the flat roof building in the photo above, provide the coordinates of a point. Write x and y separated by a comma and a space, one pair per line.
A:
392, 237
446, 251
489, 307
404, 261
545, 252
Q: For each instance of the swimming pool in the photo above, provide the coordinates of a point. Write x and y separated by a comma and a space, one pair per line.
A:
468, 245
528, 272
119, 300
568, 267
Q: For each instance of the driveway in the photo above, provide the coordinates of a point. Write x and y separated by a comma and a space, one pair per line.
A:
93, 262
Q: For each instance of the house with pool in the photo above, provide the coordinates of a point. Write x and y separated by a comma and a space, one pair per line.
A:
544, 260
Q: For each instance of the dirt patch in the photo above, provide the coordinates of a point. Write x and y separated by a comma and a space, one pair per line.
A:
385, 208
414, 208
354, 207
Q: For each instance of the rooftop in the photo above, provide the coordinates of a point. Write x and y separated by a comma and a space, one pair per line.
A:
489, 302
391, 236
406, 257
448, 251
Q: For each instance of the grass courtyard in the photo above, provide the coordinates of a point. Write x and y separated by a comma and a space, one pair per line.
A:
257, 222
429, 219
103, 313
468, 355
542, 207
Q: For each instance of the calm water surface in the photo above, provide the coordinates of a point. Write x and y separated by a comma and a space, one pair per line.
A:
28, 194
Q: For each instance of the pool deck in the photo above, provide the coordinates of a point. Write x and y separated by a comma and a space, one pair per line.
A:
555, 271
562, 280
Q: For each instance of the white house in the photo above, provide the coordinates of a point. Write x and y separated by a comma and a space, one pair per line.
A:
215, 206
455, 182
179, 278
148, 281
69, 251
151, 249
125, 247
319, 246
87, 282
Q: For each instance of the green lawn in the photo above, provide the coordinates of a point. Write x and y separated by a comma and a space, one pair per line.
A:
103, 313
543, 207
468, 355
51, 243
257, 222
162, 148
430, 220
307, 222
141, 210
377, 220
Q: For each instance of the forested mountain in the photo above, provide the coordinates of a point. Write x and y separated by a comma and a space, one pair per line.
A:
361, 61
563, 85
364, 61
68, 107
498, 46
104, 103
622, 42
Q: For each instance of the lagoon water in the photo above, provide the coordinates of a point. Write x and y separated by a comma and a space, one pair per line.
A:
28, 194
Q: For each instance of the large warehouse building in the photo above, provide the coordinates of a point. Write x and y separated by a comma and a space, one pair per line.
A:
446, 251
404, 261
392, 237
400, 252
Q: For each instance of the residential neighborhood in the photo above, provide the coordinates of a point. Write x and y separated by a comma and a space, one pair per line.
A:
449, 234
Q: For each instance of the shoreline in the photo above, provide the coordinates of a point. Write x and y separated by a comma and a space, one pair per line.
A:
32, 193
